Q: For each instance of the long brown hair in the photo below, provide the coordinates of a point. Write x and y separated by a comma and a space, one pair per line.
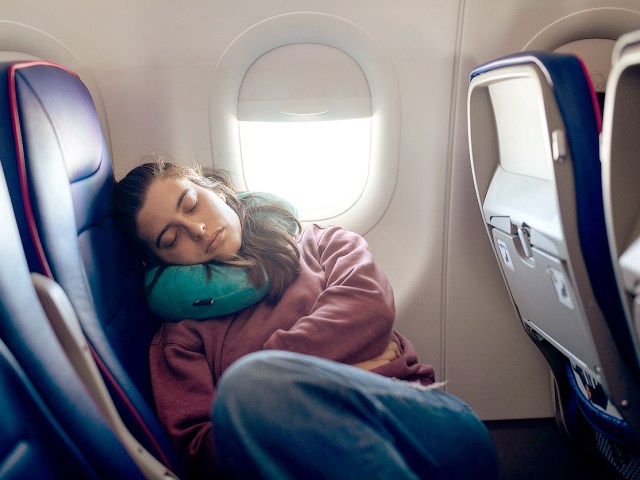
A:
269, 228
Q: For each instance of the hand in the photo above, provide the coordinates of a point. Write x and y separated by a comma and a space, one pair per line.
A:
390, 354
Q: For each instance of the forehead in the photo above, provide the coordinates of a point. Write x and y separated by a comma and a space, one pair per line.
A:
161, 201
163, 188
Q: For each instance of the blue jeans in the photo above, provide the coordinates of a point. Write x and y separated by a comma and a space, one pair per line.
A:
280, 415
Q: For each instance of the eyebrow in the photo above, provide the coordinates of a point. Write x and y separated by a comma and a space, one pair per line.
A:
178, 204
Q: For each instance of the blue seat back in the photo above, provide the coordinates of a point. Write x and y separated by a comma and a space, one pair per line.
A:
50, 427
61, 178
534, 129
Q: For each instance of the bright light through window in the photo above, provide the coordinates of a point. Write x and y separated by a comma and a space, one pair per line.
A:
321, 167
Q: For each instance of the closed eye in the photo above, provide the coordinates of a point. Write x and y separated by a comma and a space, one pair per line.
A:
190, 202
171, 243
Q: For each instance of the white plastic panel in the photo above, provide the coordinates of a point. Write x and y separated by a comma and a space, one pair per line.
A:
515, 169
299, 76
526, 200
542, 289
629, 263
521, 126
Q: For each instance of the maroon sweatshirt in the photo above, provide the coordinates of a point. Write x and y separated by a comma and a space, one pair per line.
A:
340, 307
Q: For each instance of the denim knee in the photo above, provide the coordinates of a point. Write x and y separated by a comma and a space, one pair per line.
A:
249, 382
281, 415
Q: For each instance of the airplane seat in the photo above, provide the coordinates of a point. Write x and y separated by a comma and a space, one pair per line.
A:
534, 129
620, 152
50, 426
60, 179
620, 167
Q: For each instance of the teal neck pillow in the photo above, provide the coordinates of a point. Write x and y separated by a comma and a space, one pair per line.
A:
204, 291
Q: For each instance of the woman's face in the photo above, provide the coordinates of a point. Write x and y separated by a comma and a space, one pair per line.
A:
185, 224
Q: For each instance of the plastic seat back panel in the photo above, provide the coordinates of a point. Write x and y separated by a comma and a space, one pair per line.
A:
534, 130
520, 202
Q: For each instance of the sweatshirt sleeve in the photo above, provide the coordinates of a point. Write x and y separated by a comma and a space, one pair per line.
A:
352, 319
183, 389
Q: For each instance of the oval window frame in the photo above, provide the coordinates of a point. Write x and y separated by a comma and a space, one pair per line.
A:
311, 27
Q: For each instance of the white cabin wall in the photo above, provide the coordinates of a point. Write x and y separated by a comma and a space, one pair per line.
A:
408, 240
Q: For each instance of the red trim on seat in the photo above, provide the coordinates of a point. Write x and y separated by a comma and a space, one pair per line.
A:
134, 412
22, 169
594, 97
41, 62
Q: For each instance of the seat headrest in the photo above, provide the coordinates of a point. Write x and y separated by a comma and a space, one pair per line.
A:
74, 124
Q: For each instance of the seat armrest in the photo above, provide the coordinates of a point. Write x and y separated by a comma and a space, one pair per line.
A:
67, 328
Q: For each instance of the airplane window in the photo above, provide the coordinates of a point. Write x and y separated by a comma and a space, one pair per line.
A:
299, 161
306, 106
304, 114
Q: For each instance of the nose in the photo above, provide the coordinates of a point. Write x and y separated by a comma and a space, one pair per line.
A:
196, 230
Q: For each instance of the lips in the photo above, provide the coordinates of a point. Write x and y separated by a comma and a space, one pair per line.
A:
215, 241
